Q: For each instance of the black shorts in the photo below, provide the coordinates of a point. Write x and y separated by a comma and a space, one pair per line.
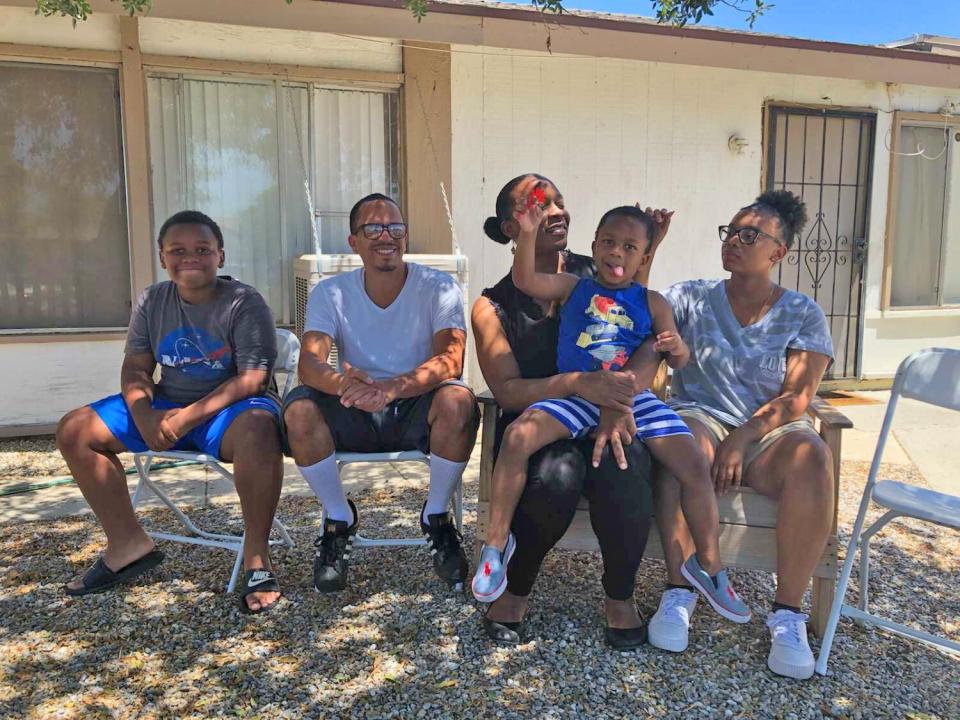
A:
401, 425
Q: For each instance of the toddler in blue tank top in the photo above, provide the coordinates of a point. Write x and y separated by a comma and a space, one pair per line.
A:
600, 327
603, 322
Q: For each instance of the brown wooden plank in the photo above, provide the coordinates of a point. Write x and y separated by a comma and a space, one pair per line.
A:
744, 506
427, 125
828, 414
81, 56
821, 601
488, 430
136, 147
301, 73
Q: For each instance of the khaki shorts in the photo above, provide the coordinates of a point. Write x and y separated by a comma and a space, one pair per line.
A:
719, 431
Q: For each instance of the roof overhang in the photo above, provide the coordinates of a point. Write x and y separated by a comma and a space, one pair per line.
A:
587, 34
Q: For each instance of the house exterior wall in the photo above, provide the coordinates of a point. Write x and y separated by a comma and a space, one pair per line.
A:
609, 131
612, 131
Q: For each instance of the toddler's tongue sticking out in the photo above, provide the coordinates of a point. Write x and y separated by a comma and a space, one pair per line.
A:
617, 271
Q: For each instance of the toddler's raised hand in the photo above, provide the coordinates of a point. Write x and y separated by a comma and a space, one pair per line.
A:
530, 217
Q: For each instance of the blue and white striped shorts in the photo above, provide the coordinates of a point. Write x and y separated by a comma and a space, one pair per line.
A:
653, 417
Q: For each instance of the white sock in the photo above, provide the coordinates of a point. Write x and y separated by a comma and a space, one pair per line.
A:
444, 476
324, 480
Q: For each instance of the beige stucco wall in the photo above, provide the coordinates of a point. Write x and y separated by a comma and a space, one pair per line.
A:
40, 381
615, 131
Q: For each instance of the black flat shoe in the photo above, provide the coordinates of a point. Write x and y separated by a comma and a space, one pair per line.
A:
625, 638
502, 633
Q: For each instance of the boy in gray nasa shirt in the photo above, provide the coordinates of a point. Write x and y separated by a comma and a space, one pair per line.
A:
199, 347
215, 342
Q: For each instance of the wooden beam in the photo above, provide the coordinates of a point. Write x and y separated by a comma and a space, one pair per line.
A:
429, 145
299, 73
76, 56
137, 153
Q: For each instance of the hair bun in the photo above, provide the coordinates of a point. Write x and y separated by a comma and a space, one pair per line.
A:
791, 209
491, 226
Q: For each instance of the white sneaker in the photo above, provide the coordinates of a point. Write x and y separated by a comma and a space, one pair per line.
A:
668, 628
790, 653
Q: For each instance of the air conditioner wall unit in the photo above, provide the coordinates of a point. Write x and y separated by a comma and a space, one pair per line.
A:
308, 270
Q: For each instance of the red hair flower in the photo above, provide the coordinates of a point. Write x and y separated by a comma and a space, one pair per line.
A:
537, 197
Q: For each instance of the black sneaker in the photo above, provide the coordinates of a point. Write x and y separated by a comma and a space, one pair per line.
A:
446, 548
332, 557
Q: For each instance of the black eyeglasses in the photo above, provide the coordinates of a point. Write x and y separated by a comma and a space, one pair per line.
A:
372, 231
747, 235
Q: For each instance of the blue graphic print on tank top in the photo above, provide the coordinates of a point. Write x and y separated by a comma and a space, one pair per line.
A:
600, 327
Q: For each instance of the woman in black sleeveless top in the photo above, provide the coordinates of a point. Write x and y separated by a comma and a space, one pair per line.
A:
516, 340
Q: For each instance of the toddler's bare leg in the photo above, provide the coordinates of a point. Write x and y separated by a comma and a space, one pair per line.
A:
530, 432
682, 457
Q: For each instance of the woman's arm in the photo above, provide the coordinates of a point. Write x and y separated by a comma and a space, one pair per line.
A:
661, 219
804, 371
515, 393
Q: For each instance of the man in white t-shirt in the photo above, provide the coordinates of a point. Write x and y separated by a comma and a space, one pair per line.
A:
400, 331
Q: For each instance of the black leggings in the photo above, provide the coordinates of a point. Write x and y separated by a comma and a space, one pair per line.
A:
621, 506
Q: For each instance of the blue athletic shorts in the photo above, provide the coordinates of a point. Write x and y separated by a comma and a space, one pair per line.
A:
205, 438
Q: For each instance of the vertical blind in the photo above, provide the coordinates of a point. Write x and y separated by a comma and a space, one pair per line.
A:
919, 219
64, 249
242, 151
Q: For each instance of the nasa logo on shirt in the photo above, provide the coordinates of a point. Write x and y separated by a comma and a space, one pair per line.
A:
195, 352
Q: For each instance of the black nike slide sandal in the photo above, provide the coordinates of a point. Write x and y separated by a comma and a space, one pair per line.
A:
100, 578
258, 580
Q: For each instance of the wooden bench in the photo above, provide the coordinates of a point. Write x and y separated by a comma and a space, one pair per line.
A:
747, 519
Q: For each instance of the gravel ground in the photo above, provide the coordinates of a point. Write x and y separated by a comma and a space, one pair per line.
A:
29, 458
397, 644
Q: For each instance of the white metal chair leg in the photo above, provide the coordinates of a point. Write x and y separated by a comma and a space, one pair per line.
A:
865, 537
234, 543
828, 634
864, 599
361, 541
458, 505
831, 629
285, 538
236, 568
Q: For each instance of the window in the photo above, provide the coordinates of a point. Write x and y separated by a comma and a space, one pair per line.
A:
64, 254
924, 247
246, 152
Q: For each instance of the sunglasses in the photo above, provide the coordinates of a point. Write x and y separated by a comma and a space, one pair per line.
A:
372, 231
747, 235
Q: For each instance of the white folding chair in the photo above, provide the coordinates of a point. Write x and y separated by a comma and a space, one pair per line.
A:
353, 458
288, 353
350, 458
930, 376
